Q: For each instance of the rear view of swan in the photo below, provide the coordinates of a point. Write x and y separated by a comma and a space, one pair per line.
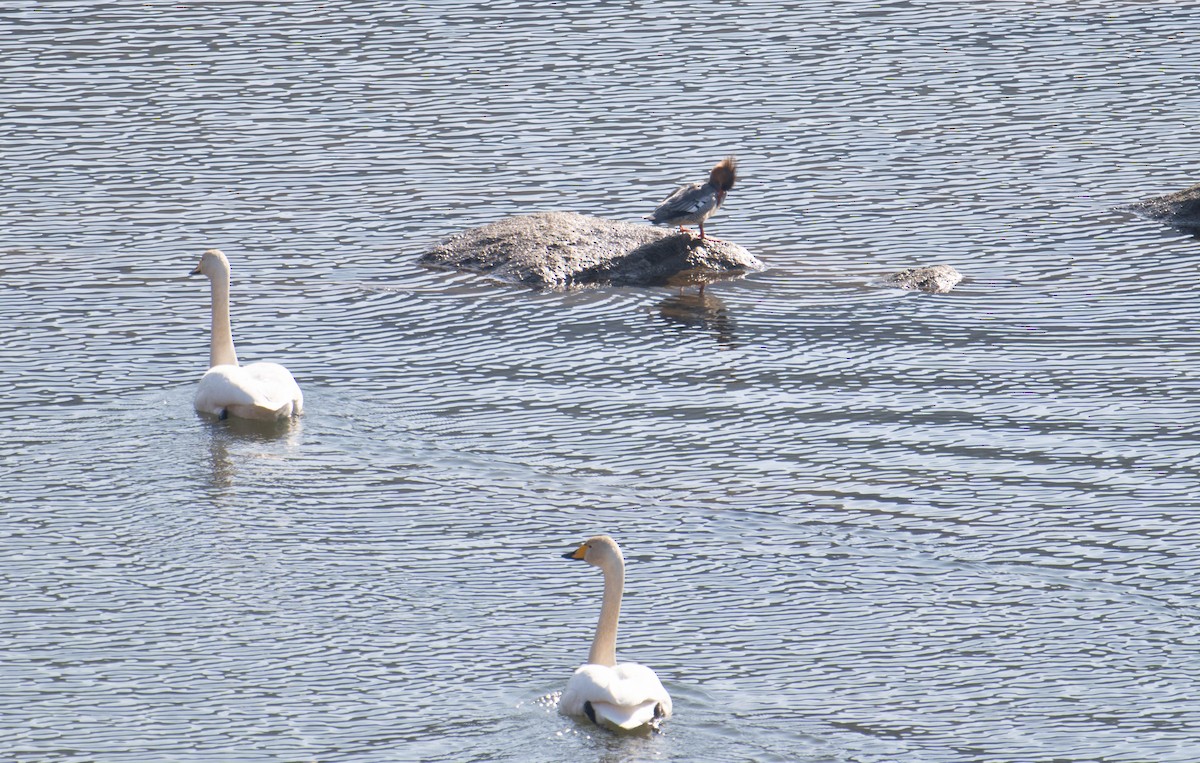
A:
625, 697
257, 391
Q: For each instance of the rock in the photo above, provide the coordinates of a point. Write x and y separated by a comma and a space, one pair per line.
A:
935, 279
1181, 209
561, 250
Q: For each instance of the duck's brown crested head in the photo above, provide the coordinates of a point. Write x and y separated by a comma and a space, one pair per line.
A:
724, 174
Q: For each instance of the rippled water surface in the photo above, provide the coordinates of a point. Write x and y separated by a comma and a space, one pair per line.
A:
861, 525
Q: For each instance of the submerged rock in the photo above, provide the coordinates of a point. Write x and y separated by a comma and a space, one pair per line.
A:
1181, 209
935, 279
560, 250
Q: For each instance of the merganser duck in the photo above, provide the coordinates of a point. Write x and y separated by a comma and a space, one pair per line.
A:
695, 203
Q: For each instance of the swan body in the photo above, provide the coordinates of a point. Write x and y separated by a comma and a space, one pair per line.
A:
693, 204
255, 391
625, 696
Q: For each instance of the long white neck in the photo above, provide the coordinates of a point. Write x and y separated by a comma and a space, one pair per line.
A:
221, 352
604, 645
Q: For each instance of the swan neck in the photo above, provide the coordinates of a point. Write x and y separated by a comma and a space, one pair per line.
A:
604, 645
221, 352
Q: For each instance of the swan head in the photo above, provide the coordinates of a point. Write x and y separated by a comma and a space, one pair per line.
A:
599, 551
212, 264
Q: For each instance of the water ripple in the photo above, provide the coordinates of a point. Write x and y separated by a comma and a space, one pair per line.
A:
861, 524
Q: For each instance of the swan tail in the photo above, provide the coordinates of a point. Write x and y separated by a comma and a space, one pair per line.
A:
624, 717
254, 411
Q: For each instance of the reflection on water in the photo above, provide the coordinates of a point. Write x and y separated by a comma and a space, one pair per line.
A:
232, 442
701, 310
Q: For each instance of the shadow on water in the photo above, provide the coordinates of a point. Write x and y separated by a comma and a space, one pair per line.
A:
701, 311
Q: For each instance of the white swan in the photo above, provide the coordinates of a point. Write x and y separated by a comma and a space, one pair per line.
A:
625, 697
256, 391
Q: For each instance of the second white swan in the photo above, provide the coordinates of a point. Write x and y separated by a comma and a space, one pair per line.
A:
625, 696
256, 391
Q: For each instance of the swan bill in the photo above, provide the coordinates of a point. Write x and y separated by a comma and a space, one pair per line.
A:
577, 554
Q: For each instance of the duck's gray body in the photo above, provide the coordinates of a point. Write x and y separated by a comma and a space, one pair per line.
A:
693, 204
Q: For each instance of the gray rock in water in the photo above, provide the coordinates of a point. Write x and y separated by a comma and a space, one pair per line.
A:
560, 250
935, 279
1181, 209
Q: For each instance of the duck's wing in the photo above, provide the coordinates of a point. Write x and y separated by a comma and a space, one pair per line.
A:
687, 202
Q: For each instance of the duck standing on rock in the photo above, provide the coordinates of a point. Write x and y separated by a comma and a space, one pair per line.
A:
695, 203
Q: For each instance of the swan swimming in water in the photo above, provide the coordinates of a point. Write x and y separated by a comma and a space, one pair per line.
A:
625, 696
256, 391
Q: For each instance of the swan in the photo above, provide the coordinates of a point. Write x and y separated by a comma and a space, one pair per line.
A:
256, 391
628, 696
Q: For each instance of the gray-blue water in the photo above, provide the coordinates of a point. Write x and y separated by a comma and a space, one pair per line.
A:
860, 524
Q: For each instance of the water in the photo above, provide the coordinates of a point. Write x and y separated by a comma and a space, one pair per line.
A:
861, 525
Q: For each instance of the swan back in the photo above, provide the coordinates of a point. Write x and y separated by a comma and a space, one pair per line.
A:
255, 391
